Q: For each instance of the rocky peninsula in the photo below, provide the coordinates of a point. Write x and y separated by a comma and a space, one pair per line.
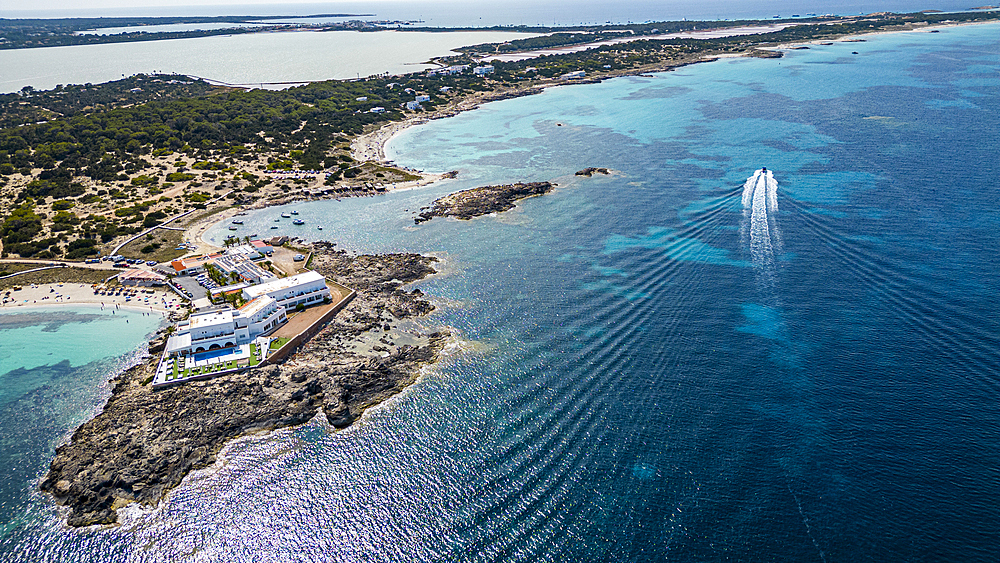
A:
145, 441
483, 200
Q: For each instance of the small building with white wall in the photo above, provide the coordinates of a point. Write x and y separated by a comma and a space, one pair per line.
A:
262, 247
194, 264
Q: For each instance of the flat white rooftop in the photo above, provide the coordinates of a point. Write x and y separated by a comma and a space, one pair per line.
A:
212, 318
256, 305
284, 283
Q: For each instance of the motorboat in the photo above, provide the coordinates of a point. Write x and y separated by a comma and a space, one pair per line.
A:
285, 215
298, 222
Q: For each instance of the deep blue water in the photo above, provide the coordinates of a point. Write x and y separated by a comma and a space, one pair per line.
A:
649, 369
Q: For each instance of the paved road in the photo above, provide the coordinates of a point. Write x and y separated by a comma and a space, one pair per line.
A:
42, 263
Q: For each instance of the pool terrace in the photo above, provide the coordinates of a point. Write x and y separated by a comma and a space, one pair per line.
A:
216, 362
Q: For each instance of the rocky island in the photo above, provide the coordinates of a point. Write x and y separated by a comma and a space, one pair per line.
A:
484, 200
145, 441
590, 171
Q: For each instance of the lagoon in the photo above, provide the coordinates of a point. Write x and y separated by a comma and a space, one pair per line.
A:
246, 59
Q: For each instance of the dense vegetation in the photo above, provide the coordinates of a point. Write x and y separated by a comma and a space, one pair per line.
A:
110, 142
32, 106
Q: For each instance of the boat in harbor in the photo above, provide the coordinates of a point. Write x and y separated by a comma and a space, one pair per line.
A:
298, 222
285, 215
295, 212
319, 228
232, 228
274, 226
237, 222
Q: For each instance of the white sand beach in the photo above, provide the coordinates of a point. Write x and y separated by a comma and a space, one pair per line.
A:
159, 301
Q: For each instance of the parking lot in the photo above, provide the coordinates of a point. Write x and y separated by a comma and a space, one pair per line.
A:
190, 283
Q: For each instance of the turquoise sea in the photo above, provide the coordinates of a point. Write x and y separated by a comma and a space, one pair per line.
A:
55, 363
682, 361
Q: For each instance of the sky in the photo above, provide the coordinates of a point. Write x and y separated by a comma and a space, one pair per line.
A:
176, 6
469, 12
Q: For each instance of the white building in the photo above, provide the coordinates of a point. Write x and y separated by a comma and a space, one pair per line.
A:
447, 71
244, 269
377, 109
244, 251
413, 105
483, 70
307, 288
226, 328
575, 75
423, 98
262, 247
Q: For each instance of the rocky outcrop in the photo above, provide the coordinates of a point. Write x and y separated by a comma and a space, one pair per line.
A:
145, 441
482, 201
590, 171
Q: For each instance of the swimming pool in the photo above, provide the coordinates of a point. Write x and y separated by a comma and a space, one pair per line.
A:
212, 354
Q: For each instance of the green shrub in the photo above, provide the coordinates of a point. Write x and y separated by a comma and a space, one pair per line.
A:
145, 180
179, 177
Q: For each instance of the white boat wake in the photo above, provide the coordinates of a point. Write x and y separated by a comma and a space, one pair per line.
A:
760, 212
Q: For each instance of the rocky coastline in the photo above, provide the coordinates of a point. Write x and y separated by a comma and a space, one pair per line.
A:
145, 441
483, 200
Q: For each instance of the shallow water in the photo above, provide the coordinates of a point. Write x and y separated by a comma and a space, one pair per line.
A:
641, 381
54, 367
